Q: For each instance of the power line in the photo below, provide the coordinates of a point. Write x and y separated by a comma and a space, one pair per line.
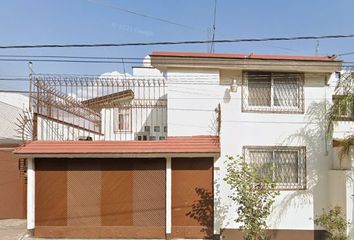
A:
345, 54
140, 59
239, 40
71, 57
161, 61
143, 15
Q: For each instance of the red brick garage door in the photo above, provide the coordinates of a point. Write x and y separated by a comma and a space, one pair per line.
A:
122, 198
192, 198
12, 186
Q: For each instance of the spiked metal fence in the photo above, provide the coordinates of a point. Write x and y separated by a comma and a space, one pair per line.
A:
112, 107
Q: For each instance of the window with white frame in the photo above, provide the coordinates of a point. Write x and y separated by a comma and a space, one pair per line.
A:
122, 119
273, 92
285, 165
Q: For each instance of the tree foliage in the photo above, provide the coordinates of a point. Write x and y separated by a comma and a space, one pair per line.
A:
254, 194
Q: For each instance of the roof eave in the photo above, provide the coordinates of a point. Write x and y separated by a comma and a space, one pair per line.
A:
120, 155
164, 62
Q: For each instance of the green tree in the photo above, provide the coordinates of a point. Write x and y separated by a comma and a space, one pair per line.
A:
254, 193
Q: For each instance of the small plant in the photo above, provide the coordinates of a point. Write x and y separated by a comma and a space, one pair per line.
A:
254, 194
334, 223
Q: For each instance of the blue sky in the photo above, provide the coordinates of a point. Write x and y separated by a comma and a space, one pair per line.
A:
92, 21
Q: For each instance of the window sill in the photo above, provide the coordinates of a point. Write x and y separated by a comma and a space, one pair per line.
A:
272, 110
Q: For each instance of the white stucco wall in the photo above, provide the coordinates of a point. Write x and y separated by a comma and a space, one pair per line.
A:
341, 193
13, 104
191, 106
198, 99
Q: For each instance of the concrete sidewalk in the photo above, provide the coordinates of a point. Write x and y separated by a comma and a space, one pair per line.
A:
12, 229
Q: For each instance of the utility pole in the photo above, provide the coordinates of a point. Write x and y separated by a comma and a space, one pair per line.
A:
317, 47
212, 47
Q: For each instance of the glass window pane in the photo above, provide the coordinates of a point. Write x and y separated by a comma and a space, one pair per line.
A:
285, 90
263, 161
259, 89
286, 166
122, 119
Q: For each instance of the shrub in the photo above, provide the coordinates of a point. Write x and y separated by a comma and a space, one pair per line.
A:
254, 194
334, 223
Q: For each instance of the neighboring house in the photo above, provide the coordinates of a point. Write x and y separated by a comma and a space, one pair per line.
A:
156, 162
341, 176
12, 169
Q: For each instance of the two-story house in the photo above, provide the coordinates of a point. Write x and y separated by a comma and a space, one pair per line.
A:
144, 156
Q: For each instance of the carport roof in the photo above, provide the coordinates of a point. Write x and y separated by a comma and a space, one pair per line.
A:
182, 145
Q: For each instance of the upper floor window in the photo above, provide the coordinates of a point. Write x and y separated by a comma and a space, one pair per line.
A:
122, 120
284, 165
345, 109
273, 92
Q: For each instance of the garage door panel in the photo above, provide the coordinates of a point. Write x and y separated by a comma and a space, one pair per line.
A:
149, 193
105, 198
83, 193
117, 200
192, 197
51, 206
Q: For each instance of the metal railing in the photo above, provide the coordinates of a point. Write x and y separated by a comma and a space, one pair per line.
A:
114, 107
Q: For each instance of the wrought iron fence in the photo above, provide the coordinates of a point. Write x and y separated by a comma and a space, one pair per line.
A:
114, 107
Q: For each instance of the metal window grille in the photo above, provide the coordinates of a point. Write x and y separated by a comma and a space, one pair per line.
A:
343, 89
284, 165
273, 92
345, 83
346, 109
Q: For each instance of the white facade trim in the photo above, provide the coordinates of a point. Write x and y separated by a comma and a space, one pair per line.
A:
30, 194
168, 196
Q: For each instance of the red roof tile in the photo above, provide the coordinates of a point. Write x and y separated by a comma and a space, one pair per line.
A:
193, 144
243, 56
